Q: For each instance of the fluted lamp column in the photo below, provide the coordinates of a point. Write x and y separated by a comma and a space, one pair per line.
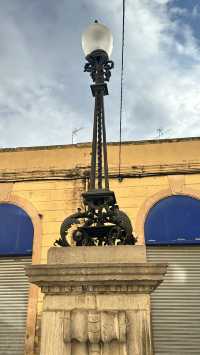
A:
97, 43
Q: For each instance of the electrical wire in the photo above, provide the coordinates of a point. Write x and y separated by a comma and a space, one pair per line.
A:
121, 90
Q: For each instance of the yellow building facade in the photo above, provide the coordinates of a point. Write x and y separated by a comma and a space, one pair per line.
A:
47, 182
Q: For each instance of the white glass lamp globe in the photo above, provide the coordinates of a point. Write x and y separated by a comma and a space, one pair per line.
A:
97, 37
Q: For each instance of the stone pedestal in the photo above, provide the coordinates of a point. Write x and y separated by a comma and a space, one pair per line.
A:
96, 300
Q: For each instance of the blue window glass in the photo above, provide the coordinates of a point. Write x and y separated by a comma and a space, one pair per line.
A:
16, 231
174, 220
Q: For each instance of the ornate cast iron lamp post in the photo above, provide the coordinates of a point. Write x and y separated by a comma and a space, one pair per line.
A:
101, 222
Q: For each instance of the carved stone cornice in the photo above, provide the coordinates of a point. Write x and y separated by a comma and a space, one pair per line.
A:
167, 169
97, 278
37, 175
83, 172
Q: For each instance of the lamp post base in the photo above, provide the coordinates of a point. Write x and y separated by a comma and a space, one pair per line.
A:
96, 300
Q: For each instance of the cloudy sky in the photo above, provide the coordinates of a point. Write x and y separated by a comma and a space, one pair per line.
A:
45, 95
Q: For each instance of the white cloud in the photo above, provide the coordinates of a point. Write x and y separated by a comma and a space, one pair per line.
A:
35, 84
162, 73
196, 11
44, 93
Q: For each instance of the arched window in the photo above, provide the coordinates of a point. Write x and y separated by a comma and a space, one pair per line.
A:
16, 231
174, 220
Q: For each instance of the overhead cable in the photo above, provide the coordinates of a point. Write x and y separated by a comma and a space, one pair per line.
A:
121, 89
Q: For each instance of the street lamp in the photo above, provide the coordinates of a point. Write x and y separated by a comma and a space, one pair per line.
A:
101, 222
97, 37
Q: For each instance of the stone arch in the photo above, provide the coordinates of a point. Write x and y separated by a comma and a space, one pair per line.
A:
151, 201
28, 207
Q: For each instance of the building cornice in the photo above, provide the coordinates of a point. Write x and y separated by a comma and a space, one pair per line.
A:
88, 144
83, 172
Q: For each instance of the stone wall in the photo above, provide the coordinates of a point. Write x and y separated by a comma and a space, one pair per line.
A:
47, 182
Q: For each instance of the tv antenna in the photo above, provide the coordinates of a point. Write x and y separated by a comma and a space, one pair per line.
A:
161, 132
74, 133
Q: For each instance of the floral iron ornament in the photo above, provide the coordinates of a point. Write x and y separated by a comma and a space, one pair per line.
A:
101, 222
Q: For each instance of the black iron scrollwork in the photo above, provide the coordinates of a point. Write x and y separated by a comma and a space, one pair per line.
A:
98, 62
92, 69
109, 226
